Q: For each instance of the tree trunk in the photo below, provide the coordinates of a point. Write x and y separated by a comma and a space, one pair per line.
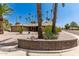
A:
1, 24
54, 18
40, 35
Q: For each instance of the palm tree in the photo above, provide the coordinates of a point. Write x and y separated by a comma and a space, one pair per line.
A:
55, 17
4, 10
20, 17
46, 15
17, 20
32, 18
6, 24
51, 13
29, 19
26, 18
40, 35
29, 16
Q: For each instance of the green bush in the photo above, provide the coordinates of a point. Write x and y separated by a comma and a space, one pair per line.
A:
49, 35
67, 26
48, 29
58, 29
20, 30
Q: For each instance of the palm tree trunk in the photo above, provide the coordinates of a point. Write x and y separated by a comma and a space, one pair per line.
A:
40, 35
54, 18
1, 24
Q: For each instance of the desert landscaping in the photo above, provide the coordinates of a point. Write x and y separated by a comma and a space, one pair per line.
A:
38, 32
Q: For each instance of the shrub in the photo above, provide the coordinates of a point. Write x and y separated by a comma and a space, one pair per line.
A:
49, 35
48, 29
20, 30
67, 26
73, 24
58, 29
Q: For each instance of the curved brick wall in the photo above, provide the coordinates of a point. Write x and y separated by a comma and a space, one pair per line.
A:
47, 44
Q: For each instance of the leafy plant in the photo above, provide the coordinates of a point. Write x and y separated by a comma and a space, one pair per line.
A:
6, 25
73, 24
49, 35
67, 26
48, 29
58, 29
5, 9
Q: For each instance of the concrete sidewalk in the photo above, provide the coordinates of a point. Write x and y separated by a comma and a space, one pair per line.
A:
77, 36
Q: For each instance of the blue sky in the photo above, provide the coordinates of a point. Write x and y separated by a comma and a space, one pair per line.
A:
65, 14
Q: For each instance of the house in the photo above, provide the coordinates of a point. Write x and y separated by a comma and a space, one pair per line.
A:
30, 26
74, 28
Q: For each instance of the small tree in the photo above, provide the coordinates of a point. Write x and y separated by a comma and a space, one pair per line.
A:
4, 10
73, 24
6, 24
67, 26
20, 29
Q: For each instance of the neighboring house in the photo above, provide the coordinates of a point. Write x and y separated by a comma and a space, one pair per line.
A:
74, 28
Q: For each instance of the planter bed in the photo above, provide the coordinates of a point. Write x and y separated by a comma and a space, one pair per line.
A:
47, 44
64, 41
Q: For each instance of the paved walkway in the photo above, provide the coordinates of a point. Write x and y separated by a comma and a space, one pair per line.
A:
8, 47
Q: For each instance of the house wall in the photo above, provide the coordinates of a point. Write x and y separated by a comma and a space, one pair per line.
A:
15, 28
27, 28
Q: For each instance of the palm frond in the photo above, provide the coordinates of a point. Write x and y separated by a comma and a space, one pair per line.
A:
63, 4
5, 9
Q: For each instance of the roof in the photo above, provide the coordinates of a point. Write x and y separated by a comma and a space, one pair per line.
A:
35, 24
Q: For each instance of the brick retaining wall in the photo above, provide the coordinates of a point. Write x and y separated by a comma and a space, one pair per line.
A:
47, 45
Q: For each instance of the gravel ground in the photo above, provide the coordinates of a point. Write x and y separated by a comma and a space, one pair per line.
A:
10, 38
